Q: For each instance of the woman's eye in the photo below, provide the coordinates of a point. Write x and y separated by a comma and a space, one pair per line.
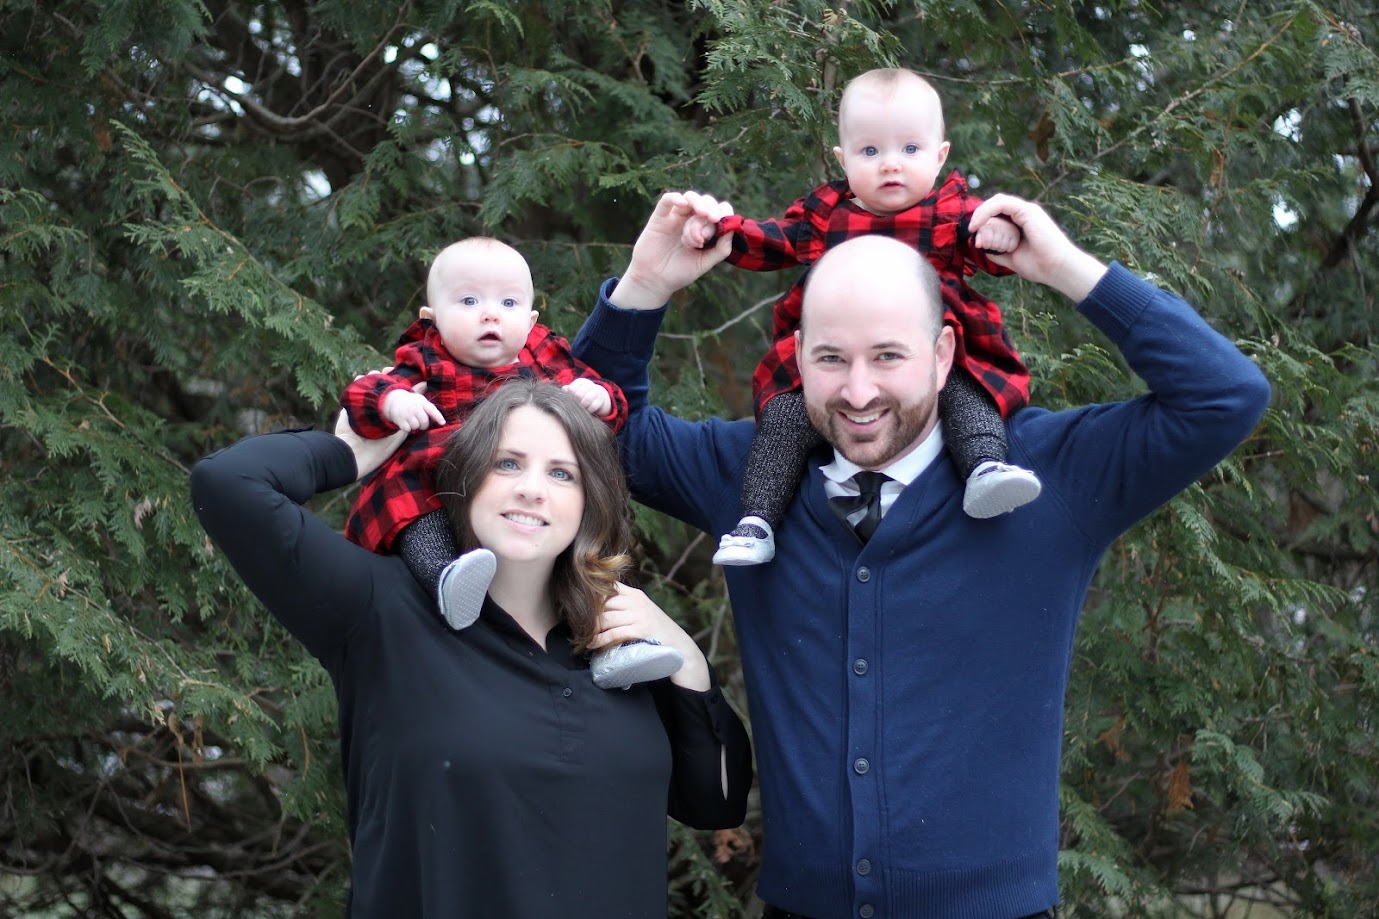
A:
506, 464
563, 475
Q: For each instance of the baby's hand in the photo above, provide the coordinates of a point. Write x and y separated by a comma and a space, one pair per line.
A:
998, 235
698, 231
592, 396
411, 411
701, 225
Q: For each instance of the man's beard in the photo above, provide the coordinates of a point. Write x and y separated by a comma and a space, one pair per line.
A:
900, 430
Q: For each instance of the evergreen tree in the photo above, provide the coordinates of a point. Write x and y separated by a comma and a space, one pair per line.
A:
213, 214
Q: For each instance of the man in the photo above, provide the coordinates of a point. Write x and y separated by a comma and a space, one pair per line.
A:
907, 689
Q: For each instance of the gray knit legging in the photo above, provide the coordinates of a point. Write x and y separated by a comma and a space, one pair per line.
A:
427, 545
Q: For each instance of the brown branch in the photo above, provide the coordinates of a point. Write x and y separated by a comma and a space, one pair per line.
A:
328, 111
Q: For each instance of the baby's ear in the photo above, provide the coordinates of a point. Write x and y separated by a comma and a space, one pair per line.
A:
531, 325
426, 313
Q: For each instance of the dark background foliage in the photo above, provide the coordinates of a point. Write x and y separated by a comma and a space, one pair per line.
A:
213, 213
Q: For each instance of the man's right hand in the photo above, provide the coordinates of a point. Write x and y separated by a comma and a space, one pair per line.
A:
661, 262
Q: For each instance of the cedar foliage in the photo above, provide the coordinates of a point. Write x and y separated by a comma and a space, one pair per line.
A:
213, 214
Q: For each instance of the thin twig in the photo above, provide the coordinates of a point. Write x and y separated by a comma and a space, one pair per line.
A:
695, 336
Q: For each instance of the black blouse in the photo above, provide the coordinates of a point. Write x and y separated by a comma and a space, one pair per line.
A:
486, 775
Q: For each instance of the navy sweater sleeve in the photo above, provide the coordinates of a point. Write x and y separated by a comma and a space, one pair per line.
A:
249, 498
661, 452
1111, 465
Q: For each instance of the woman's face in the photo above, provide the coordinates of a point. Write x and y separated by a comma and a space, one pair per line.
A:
529, 507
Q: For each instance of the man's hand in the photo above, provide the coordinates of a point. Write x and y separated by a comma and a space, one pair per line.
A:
368, 454
1043, 254
661, 262
411, 411
592, 396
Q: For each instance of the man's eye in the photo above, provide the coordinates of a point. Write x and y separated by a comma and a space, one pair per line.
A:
890, 356
830, 359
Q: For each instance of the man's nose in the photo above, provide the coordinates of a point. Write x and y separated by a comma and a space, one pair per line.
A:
859, 389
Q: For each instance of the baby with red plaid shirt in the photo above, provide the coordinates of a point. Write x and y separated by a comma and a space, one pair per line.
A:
891, 148
477, 331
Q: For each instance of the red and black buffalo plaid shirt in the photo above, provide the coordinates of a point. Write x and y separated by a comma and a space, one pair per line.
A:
404, 487
936, 226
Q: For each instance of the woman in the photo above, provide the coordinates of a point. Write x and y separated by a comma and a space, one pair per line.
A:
486, 775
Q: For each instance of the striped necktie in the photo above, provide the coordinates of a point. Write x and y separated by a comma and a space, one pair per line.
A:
869, 485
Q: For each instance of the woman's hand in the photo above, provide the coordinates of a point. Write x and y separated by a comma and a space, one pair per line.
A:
631, 614
368, 454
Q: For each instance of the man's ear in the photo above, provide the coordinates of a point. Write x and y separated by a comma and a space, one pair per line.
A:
943, 355
426, 313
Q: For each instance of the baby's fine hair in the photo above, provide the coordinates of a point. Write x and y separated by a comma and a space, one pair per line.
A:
889, 78
469, 242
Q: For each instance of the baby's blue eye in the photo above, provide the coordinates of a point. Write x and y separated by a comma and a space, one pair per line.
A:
469, 301
911, 149
869, 151
509, 302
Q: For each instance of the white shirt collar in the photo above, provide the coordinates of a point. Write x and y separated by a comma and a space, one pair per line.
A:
904, 470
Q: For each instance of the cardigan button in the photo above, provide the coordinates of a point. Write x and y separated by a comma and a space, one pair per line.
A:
864, 574
867, 911
859, 666
864, 867
567, 692
860, 766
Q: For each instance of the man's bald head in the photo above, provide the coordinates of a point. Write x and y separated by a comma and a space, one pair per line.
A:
875, 267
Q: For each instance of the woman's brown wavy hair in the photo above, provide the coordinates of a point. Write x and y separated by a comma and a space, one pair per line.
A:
601, 554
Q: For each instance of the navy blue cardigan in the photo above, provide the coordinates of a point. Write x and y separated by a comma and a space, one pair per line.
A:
906, 697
